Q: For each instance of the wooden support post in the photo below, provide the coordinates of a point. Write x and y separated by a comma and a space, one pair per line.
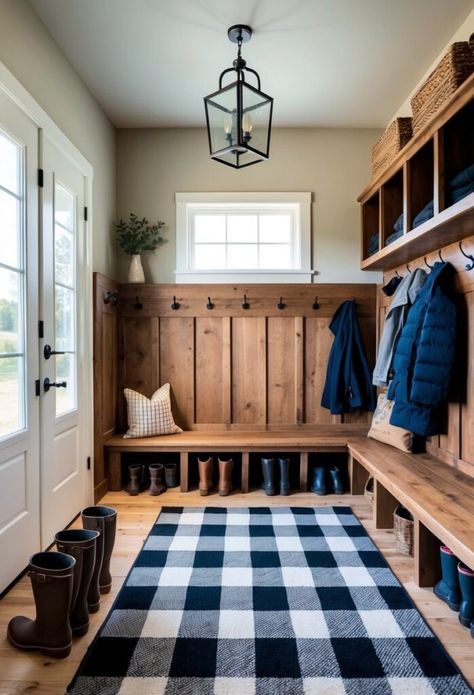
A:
304, 471
114, 470
245, 471
427, 562
184, 471
358, 476
384, 506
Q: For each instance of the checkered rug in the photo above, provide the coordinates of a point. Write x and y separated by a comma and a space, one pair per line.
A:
271, 601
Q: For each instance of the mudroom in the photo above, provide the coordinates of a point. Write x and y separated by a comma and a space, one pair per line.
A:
236, 347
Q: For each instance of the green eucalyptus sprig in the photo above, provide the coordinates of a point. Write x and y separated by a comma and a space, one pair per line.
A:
138, 235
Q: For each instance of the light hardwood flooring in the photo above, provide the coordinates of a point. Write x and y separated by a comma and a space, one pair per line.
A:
22, 672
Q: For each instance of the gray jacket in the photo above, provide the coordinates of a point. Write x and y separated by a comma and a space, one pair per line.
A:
403, 298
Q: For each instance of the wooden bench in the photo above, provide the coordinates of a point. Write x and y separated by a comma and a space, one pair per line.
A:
328, 438
440, 498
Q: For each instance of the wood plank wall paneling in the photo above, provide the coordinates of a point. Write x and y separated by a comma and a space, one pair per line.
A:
106, 398
231, 368
455, 445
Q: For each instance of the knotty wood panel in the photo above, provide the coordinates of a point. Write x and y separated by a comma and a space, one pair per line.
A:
281, 370
177, 366
318, 342
210, 363
249, 371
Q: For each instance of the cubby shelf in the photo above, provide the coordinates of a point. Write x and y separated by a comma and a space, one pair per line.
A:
420, 174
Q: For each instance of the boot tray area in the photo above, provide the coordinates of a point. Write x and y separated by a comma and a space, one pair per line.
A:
304, 442
440, 498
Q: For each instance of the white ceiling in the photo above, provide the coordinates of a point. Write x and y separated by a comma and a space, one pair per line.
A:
337, 63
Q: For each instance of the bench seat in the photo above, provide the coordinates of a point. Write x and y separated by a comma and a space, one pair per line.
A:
324, 438
440, 498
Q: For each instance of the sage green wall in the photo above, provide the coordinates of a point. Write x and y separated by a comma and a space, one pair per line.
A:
153, 164
30, 53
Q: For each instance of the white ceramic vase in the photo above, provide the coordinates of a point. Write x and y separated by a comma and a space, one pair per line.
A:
135, 272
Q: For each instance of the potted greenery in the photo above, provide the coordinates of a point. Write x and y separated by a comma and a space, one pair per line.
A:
136, 236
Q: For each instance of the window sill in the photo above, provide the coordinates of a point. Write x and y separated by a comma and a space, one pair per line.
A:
240, 276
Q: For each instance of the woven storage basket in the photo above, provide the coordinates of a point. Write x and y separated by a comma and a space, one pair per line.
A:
453, 69
369, 491
389, 145
403, 530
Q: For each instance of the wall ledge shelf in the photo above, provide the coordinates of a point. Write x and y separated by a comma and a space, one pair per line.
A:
452, 224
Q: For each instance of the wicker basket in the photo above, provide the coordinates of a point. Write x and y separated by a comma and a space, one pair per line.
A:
389, 145
369, 491
453, 69
403, 530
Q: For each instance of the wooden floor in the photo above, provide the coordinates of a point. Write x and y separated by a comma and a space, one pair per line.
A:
22, 672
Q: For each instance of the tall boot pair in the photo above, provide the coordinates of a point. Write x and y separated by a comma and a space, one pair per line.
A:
318, 481
206, 467
268, 471
456, 587
67, 585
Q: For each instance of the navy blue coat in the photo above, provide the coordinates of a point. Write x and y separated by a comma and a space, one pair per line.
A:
348, 384
424, 356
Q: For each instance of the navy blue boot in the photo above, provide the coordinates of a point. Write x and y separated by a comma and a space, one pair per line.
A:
336, 481
318, 483
466, 609
268, 471
448, 589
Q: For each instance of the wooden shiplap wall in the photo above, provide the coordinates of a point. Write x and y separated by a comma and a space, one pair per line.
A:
455, 446
231, 368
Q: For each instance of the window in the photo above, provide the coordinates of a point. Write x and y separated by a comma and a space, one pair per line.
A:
12, 291
261, 237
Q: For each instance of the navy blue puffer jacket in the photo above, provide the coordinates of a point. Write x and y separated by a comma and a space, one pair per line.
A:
424, 356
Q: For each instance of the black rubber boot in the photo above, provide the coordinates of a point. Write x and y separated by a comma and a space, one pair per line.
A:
336, 481
466, 582
448, 589
318, 482
80, 543
284, 476
171, 475
268, 470
104, 520
52, 580
157, 485
134, 479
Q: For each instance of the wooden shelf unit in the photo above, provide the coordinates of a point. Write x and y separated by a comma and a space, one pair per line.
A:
421, 173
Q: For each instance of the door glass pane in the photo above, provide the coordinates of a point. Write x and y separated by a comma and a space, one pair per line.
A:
12, 384
9, 164
10, 321
65, 298
10, 229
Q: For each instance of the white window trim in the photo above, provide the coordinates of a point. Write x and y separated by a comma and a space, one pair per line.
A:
186, 204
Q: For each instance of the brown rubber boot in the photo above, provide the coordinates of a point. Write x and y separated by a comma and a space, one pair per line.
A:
104, 520
51, 577
134, 479
205, 475
157, 485
225, 477
81, 545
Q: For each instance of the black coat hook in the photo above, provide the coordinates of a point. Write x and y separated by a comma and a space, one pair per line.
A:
175, 306
440, 256
430, 267
468, 266
245, 305
210, 305
111, 297
408, 268
280, 304
398, 274
138, 304
315, 304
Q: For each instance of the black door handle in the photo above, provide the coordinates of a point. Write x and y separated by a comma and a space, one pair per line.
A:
48, 351
47, 384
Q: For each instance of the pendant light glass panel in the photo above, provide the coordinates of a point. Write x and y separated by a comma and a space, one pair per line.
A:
256, 120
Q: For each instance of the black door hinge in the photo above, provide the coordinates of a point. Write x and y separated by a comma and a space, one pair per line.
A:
41, 178
40, 329
88, 463
37, 387
85, 214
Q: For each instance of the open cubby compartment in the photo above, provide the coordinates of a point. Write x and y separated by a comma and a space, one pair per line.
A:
421, 180
370, 224
145, 459
329, 460
391, 197
457, 138
256, 475
193, 469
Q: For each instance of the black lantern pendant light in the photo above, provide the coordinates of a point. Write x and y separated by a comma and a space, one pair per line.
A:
239, 116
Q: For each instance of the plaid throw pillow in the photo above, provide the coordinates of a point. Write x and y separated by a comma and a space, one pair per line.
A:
148, 417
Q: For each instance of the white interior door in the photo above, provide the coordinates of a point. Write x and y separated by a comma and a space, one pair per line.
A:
64, 430
19, 404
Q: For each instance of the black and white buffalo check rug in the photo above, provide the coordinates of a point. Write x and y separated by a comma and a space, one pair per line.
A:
264, 601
